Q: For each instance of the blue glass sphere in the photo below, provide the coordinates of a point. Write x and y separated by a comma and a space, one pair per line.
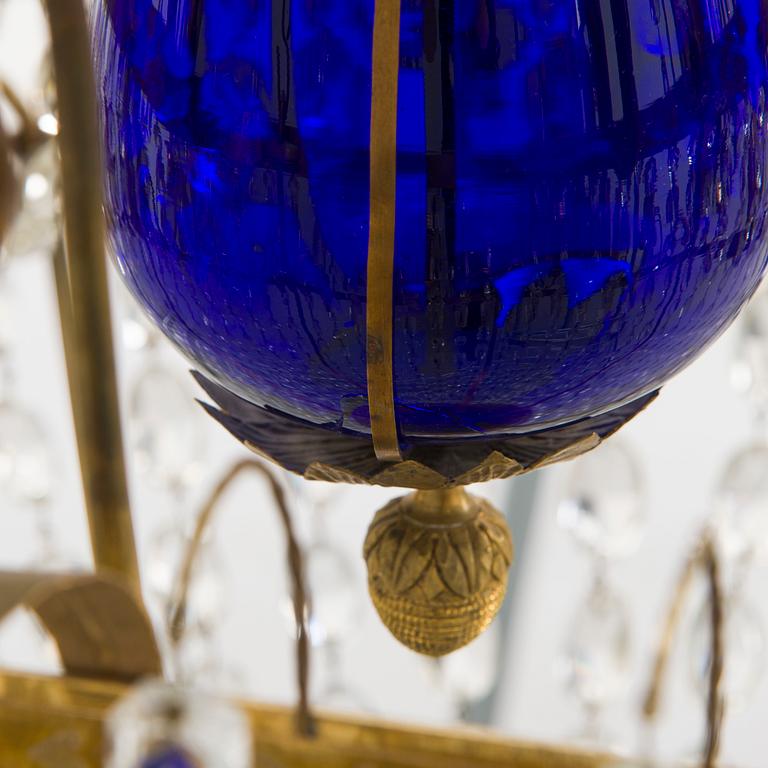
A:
580, 209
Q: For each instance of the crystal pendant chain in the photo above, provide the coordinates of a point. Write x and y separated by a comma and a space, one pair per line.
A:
740, 525
605, 512
334, 601
169, 450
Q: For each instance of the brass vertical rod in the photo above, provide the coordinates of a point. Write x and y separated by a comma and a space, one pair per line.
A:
381, 243
84, 299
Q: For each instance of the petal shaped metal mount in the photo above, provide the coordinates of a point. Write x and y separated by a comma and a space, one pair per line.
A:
325, 453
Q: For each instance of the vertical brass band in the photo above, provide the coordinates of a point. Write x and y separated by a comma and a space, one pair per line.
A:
84, 298
381, 243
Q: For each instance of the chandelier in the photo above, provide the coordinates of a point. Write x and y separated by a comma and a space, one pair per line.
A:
417, 245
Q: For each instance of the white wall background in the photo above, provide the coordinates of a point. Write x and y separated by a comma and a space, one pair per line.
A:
682, 441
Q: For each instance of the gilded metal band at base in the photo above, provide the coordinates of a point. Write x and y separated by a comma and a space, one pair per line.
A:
381, 244
59, 722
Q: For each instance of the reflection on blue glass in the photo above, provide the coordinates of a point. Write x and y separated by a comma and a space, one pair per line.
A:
580, 203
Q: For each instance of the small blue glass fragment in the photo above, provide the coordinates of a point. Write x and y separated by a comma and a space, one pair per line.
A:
581, 198
168, 756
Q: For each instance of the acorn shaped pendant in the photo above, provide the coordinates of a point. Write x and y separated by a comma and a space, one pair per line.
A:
437, 568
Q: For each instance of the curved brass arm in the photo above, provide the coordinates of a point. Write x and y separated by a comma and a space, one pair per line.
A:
180, 592
704, 558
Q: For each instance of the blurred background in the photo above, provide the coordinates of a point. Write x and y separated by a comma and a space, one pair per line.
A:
600, 541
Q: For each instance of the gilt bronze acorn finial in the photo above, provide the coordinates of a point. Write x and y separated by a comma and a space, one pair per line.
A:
437, 568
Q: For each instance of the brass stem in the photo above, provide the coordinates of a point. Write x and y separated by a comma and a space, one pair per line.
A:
443, 506
180, 592
84, 299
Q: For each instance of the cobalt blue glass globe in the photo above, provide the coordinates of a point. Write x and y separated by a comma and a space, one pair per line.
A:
580, 211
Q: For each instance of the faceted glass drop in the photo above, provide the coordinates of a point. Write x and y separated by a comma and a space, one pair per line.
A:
25, 469
595, 662
334, 600
603, 505
749, 373
206, 600
169, 444
745, 652
741, 505
471, 673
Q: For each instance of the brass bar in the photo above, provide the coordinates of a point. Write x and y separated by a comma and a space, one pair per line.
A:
381, 243
47, 722
85, 316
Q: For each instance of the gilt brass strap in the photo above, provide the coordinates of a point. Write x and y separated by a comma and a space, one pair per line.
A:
381, 243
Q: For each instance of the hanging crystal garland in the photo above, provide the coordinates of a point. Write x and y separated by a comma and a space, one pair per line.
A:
745, 644
740, 505
335, 602
30, 105
26, 467
27, 476
740, 525
749, 368
469, 675
193, 656
604, 510
169, 450
168, 435
596, 656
